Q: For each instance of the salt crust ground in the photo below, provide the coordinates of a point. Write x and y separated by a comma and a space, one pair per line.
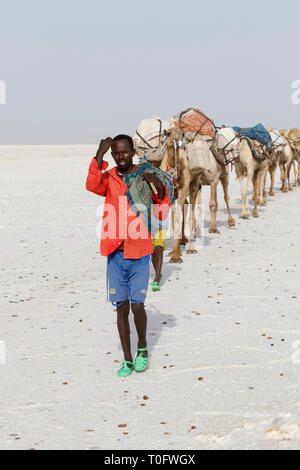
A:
229, 316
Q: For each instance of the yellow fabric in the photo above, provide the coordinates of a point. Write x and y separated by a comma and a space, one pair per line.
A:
159, 239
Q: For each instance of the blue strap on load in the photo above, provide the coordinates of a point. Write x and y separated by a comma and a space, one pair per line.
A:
258, 133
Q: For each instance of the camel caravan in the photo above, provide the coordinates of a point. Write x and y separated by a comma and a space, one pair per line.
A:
196, 153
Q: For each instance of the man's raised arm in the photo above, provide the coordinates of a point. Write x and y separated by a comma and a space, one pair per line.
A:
97, 182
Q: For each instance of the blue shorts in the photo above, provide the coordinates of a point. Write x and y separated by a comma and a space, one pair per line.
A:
128, 279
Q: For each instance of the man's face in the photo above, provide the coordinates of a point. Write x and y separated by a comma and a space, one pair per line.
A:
122, 154
155, 164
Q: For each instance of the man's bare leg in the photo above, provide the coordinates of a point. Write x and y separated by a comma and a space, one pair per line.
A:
140, 320
124, 329
157, 261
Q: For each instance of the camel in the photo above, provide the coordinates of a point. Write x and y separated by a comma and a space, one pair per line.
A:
272, 168
285, 159
296, 164
149, 140
275, 155
293, 138
176, 161
254, 170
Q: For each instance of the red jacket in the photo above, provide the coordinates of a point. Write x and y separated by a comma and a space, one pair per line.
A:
120, 223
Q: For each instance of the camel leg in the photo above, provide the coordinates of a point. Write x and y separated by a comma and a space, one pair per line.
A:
265, 187
184, 239
213, 206
249, 181
295, 173
199, 211
173, 216
173, 209
289, 167
244, 214
193, 199
262, 188
262, 177
256, 191
176, 252
283, 178
272, 174
225, 183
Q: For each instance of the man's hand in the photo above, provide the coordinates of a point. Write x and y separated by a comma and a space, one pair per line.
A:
175, 183
104, 146
155, 181
151, 178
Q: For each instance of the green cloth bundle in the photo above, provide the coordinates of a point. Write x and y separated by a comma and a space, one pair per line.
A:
139, 193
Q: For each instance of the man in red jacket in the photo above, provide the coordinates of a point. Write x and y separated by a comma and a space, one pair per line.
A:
126, 240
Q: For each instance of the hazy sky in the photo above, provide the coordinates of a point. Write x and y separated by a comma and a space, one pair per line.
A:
78, 70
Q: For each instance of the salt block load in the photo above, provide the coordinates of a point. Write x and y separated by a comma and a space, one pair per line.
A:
149, 136
198, 154
194, 120
197, 128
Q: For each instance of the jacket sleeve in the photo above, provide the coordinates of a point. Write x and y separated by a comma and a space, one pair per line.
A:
97, 182
161, 206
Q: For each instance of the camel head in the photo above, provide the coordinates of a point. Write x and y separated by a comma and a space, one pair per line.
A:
174, 139
173, 135
294, 137
284, 133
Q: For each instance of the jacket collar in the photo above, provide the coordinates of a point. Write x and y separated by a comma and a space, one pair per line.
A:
114, 173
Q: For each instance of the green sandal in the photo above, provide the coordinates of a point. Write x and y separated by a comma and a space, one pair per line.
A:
141, 363
125, 371
156, 285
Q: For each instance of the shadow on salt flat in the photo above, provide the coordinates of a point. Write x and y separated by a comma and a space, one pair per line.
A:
157, 321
